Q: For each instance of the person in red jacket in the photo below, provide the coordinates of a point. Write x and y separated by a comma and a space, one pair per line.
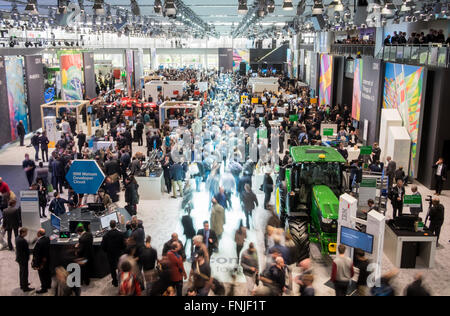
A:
177, 272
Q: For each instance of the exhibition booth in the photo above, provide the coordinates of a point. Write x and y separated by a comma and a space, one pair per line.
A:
190, 108
169, 89
260, 84
51, 114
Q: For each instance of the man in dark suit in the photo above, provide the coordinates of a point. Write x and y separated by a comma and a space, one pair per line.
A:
209, 237
81, 140
390, 171
396, 195
44, 141
41, 261
440, 174
85, 253
57, 170
22, 258
113, 244
168, 246
11, 221
21, 132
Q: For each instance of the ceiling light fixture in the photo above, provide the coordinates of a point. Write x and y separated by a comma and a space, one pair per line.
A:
242, 8
317, 8
99, 7
31, 7
271, 6
158, 6
287, 5
337, 6
389, 8
171, 9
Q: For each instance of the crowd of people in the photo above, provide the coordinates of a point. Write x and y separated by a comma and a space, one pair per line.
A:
220, 152
417, 38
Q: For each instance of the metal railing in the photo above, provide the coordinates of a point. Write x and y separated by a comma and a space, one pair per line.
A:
353, 49
428, 55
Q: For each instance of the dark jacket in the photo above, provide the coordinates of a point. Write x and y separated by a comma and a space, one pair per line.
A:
444, 170
81, 139
242, 181
268, 184
188, 226
437, 214
396, 193
212, 235
277, 276
86, 248
11, 218
113, 243
43, 141
57, 206
168, 245
112, 166
249, 200
35, 140
176, 172
22, 250
20, 129
57, 168
41, 252
391, 167
131, 193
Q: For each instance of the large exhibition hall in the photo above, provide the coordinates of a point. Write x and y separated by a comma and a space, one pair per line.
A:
224, 148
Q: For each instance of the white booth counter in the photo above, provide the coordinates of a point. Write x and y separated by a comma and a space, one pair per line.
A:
260, 84
150, 188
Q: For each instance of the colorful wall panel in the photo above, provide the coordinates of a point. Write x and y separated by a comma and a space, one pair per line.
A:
5, 129
71, 76
240, 56
16, 94
325, 79
357, 87
403, 91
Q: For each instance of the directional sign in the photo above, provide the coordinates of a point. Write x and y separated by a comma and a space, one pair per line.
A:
85, 176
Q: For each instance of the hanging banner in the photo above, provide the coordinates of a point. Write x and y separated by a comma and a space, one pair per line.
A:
89, 75
129, 74
5, 129
71, 76
34, 70
50, 128
325, 79
16, 94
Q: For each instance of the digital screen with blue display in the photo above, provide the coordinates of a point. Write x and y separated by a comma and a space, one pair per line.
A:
356, 239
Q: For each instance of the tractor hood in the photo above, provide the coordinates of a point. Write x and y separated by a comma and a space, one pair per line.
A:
327, 201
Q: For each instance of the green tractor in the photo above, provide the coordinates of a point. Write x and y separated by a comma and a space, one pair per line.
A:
307, 197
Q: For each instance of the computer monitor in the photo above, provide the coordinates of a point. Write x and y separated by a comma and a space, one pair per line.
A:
55, 221
105, 220
96, 207
356, 239
74, 224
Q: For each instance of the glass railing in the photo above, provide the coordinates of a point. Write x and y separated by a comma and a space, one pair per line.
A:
428, 55
353, 49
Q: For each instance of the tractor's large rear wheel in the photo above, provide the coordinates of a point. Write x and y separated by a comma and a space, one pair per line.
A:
298, 228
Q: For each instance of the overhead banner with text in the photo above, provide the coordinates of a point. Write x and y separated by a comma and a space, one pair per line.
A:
89, 75
366, 94
34, 76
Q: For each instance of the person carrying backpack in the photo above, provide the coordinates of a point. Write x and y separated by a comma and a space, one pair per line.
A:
128, 284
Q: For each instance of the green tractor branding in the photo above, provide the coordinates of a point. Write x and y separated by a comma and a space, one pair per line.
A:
308, 197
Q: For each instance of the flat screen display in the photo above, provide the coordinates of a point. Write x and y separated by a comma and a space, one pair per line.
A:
105, 220
356, 239
74, 224
56, 221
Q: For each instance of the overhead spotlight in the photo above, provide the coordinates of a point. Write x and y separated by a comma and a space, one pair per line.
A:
135, 8
242, 7
388, 9
287, 5
271, 6
170, 8
62, 6
98, 7
31, 7
261, 8
407, 5
337, 6
317, 8
157, 6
